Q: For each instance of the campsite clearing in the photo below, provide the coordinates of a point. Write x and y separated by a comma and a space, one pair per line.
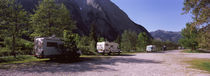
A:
169, 63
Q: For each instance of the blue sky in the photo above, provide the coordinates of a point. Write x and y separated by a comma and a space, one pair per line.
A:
155, 14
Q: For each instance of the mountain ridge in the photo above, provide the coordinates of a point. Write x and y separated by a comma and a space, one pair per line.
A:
166, 35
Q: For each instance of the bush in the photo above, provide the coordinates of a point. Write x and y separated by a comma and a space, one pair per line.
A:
85, 45
8, 42
1, 43
4, 52
23, 47
140, 49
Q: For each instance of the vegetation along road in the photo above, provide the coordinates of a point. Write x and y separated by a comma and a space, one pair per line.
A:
170, 63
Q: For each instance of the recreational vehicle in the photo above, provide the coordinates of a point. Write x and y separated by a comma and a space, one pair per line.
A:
151, 48
108, 48
49, 47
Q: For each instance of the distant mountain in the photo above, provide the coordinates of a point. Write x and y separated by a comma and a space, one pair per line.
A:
109, 19
166, 35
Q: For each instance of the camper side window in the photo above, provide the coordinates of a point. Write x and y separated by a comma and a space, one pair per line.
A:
52, 44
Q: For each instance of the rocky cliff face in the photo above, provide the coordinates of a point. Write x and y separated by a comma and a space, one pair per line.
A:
109, 19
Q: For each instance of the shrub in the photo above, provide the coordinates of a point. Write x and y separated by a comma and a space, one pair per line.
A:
23, 46
4, 52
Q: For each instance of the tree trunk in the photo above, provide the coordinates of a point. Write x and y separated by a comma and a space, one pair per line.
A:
15, 30
13, 45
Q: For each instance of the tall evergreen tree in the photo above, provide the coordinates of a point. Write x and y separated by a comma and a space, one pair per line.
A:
118, 39
3, 10
92, 33
65, 20
128, 41
13, 21
51, 19
142, 41
93, 38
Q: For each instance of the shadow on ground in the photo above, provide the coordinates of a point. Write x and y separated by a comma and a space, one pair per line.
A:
82, 65
122, 55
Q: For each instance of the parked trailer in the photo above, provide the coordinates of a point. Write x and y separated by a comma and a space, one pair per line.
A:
108, 48
48, 47
151, 48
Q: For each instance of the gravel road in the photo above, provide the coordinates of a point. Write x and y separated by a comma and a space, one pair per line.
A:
169, 63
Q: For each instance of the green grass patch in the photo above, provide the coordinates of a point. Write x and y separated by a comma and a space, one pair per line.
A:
19, 59
202, 64
193, 51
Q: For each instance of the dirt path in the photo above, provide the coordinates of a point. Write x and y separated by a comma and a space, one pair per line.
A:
143, 64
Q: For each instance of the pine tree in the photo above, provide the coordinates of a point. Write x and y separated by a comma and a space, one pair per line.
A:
128, 41
51, 19
65, 20
13, 21
4, 5
92, 34
142, 41
93, 38
118, 39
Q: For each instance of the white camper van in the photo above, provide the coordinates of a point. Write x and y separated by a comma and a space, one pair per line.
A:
151, 48
47, 46
108, 47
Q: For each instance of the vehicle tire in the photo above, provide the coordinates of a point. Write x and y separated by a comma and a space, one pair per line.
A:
103, 52
119, 53
109, 53
41, 55
52, 59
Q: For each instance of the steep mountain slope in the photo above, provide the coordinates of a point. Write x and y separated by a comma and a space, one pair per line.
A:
109, 19
166, 35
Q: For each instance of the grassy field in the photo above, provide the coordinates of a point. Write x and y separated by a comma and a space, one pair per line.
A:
202, 64
19, 59
193, 51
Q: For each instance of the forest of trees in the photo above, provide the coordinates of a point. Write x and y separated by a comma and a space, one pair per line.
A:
19, 27
133, 42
